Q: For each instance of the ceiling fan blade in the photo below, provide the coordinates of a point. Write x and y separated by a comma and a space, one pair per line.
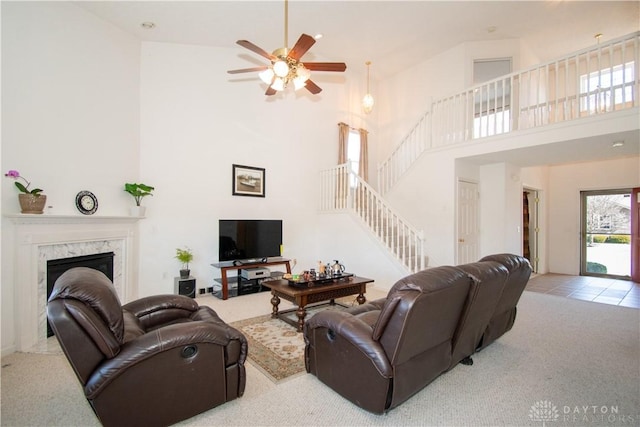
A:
270, 90
325, 66
247, 70
301, 47
253, 48
312, 87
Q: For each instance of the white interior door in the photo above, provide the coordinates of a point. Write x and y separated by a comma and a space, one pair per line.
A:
467, 227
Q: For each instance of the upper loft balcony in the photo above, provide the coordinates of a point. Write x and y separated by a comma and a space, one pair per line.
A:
596, 82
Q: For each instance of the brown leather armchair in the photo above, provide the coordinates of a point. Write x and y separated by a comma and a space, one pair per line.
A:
379, 354
153, 361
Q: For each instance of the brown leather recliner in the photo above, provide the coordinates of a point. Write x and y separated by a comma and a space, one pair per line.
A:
379, 354
504, 315
153, 361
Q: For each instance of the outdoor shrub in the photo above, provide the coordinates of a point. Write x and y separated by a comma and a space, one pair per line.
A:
594, 267
619, 238
599, 238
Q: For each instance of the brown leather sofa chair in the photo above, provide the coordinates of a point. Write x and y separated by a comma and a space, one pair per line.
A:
153, 361
504, 315
379, 354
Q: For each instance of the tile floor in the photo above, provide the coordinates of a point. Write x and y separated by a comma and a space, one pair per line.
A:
597, 289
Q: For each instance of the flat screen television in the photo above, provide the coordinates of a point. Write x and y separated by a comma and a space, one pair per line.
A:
249, 240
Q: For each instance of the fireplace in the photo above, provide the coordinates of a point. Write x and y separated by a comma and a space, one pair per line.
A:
39, 239
55, 267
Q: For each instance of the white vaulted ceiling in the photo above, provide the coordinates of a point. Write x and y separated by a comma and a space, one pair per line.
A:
392, 34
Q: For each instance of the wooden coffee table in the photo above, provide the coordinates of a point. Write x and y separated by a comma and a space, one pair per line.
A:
302, 297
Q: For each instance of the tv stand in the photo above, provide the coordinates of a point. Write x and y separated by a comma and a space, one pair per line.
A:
250, 261
239, 265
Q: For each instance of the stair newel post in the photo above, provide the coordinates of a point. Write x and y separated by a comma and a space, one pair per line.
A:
349, 190
421, 251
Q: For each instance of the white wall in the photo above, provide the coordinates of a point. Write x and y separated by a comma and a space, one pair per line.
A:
425, 197
565, 184
402, 99
196, 122
70, 86
500, 209
70, 115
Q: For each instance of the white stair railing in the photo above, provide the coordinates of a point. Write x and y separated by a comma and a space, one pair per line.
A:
401, 159
344, 190
596, 80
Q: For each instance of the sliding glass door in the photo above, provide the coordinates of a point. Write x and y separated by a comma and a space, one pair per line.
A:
606, 233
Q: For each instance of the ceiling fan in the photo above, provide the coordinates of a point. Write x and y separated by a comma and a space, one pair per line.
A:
286, 66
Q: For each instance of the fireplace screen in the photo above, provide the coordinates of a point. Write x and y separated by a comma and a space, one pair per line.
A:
102, 262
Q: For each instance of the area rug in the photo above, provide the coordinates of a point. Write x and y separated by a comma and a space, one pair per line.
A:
275, 347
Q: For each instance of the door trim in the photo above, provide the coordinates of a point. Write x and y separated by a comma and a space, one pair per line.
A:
467, 222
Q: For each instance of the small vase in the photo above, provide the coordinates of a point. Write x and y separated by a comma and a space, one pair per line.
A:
185, 273
138, 211
32, 204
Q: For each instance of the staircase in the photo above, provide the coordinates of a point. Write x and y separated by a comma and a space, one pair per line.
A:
596, 80
342, 189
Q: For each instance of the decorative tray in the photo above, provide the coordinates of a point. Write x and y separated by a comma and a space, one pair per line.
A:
301, 283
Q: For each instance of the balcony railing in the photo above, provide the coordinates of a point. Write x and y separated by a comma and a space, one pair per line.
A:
595, 80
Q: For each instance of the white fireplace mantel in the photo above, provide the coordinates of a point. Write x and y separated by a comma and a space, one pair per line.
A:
71, 219
39, 238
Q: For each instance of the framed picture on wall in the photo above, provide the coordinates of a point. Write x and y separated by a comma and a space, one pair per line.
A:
247, 181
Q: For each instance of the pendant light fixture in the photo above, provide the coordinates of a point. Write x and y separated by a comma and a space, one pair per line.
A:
367, 101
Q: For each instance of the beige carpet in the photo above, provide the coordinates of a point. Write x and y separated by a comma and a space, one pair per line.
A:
569, 353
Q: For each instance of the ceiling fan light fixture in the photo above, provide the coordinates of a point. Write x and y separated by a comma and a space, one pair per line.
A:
266, 75
285, 65
299, 83
281, 68
303, 73
278, 84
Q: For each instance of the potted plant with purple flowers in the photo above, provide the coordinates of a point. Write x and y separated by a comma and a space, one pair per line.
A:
31, 200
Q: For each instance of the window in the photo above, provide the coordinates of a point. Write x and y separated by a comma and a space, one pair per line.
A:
491, 101
353, 154
603, 89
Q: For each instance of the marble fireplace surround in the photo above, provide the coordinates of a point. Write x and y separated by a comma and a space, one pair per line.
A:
40, 238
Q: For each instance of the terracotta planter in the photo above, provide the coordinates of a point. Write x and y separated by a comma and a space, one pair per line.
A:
31, 204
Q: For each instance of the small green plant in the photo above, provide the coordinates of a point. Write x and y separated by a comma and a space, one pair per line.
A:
138, 191
599, 238
595, 267
185, 256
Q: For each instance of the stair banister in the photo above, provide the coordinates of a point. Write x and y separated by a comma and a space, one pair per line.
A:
538, 96
402, 239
